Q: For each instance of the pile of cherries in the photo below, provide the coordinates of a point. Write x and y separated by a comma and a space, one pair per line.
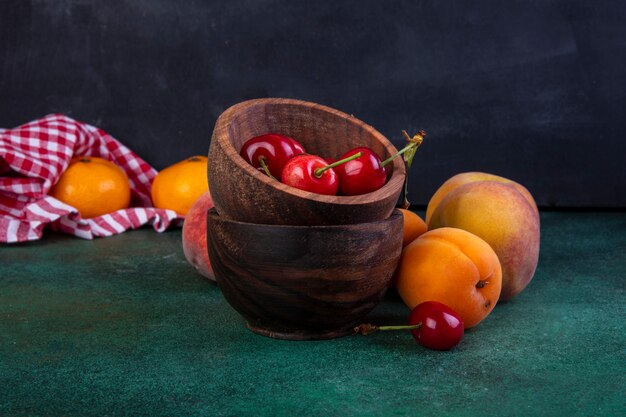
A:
358, 171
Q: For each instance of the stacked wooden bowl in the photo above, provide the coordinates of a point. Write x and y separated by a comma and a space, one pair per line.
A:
295, 264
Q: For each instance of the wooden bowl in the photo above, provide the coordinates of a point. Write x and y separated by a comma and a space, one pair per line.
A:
241, 192
303, 282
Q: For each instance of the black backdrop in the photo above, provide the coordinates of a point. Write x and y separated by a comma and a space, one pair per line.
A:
531, 90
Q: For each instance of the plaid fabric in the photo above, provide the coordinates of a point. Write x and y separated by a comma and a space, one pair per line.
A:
33, 157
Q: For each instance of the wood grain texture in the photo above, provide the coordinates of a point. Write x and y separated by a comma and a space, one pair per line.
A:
304, 282
241, 192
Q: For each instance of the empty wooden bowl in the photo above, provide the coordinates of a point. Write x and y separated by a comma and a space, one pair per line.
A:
241, 192
303, 282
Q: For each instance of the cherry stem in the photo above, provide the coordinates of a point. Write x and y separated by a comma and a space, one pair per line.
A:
417, 139
403, 327
405, 191
414, 142
319, 171
265, 167
400, 152
367, 328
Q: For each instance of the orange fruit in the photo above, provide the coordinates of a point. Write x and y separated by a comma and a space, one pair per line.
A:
94, 186
414, 226
178, 186
454, 267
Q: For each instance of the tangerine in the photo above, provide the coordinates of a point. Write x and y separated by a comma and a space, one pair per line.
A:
178, 186
414, 226
454, 267
93, 186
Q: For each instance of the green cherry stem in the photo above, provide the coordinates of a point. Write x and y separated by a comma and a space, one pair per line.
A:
417, 139
400, 152
265, 167
319, 171
414, 143
367, 328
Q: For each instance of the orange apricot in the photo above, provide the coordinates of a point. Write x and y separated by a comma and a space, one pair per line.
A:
454, 267
414, 226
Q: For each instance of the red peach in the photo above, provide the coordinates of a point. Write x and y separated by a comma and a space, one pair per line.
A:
194, 236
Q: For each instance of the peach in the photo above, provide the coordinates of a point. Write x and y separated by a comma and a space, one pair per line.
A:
453, 267
194, 236
467, 177
501, 212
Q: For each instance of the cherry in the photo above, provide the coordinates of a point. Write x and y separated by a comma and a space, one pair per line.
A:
433, 325
441, 328
297, 146
313, 173
270, 152
303, 172
368, 173
362, 175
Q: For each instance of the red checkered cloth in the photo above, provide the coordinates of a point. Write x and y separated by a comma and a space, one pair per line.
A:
32, 158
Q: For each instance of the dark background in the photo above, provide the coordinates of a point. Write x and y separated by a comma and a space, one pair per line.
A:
531, 90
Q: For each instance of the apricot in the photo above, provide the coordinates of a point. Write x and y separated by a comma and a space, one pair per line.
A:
414, 226
453, 267
501, 212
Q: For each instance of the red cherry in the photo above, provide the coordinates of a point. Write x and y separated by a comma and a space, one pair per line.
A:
305, 172
361, 175
298, 147
272, 150
441, 328
369, 173
433, 325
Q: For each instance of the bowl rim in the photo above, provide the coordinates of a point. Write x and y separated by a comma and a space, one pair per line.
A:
388, 190
213, 213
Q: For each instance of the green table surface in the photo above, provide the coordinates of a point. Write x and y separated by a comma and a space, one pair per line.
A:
125, 326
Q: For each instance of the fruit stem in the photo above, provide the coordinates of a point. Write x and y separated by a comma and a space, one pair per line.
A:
400, 152
319, 171
368, 328
405, 191
414, 143
403, 327
265, 167
408, 160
